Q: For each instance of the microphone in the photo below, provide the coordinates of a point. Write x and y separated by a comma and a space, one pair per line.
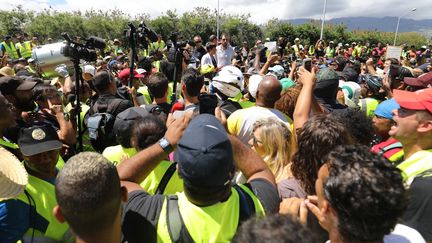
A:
96, 42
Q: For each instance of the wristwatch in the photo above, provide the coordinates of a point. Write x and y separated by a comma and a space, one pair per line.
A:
165, 145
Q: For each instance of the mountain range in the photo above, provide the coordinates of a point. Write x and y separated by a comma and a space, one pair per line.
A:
385, 24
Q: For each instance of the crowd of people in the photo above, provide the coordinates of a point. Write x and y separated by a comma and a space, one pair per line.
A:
269, 143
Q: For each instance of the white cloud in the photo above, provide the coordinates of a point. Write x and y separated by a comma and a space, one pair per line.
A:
260, 10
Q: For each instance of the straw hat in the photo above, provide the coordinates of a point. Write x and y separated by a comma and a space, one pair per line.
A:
13, 176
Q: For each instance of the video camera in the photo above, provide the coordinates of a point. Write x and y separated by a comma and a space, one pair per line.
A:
143, 34
177, 44
85, 51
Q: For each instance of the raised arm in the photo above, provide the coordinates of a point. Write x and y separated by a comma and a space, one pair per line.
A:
305, 99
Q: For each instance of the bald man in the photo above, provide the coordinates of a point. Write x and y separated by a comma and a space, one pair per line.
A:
241, 122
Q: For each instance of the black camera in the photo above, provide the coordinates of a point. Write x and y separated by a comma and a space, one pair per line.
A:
143, 34
85, 51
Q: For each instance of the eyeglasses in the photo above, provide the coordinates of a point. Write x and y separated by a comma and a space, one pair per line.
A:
198, 41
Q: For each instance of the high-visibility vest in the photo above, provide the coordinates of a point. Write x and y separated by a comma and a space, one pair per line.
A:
329, 52
40, 195
25, 49
215, 223
368, 106
10, 50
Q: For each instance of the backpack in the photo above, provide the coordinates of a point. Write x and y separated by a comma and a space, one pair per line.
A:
177, 229
100, 125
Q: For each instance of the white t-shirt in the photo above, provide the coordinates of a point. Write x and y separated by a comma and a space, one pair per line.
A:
241, 121
402, 234
224, 56
206, 59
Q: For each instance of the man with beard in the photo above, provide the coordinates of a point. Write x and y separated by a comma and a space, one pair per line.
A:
224, 52
18, 92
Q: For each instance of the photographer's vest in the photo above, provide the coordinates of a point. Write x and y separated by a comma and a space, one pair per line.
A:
215, 223
10, 50
44, 227
25, 49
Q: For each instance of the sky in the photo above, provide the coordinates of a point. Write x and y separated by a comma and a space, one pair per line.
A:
260, 10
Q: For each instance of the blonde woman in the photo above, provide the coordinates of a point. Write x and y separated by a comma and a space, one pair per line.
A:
271, 139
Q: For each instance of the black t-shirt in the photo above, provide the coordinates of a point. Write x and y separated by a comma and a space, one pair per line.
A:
141, 212
419, 212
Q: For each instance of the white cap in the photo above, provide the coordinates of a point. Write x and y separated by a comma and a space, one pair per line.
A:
90, 70
254, 81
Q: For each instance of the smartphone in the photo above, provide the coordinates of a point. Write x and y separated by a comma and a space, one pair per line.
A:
307, 64
208, 103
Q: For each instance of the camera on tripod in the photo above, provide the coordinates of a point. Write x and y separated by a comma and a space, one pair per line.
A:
143, 34
85, 51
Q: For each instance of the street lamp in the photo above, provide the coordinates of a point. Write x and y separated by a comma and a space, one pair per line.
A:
397, 26
217, 23
323, 19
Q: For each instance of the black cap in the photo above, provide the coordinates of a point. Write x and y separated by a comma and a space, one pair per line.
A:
204, 153
125, 119
38, 139
9, 84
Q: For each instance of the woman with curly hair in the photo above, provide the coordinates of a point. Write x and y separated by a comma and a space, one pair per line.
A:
272, 141
318, 136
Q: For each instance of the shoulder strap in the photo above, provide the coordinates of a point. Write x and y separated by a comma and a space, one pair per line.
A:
166, 178
112, 107
176, 227
247, 206
390, 147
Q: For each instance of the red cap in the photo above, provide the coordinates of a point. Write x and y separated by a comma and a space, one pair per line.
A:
124, 74
419, 100
424, 80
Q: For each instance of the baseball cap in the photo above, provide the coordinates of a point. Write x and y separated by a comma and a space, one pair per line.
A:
124, 74
10, 84
204, 153
125, 119
13, 176
38, 139
7, 71
424, 80
254, 82
385, 108
7, 37
278, 70
419, 100
89, 69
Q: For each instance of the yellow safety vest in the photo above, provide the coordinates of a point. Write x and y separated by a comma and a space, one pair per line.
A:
42, 198
215, 223
151, 182
116, 154
25, 49
368, 106
10, 50
416, 164
8, 144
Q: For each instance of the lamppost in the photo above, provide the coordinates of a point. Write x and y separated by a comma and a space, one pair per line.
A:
217, 22
397, 26
323, 19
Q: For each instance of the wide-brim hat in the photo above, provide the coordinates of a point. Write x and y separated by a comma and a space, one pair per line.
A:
13, 176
